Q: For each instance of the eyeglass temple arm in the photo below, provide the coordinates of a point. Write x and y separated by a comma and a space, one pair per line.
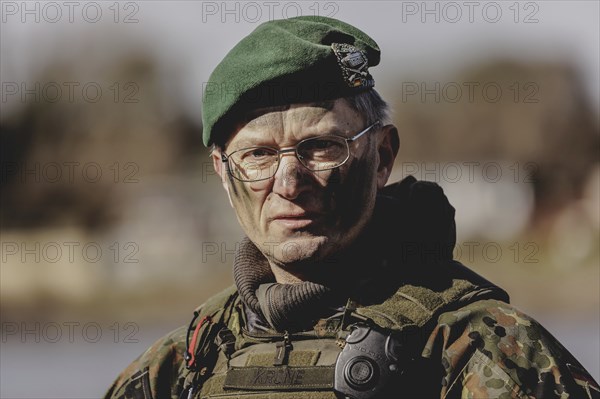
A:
358, 135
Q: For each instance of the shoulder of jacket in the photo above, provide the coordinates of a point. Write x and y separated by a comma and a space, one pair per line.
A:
218, 301
157, 372
507, 342
154, 372
419, 302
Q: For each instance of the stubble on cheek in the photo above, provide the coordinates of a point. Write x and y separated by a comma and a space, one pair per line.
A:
350, 193
241, 196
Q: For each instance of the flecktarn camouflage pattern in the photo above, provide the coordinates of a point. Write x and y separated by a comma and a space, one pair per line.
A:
486, 349
157, 373
491, 350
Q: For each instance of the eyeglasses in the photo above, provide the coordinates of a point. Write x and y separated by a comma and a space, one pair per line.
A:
315, 153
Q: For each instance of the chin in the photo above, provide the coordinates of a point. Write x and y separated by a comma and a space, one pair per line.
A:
301, 249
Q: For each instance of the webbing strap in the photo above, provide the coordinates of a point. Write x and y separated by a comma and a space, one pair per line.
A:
205, 351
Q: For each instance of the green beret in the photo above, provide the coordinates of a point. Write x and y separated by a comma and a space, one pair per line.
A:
296, 60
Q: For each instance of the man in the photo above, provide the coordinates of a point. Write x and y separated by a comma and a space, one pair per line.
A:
344, 287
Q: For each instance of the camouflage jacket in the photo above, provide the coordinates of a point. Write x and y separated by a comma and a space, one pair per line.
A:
486, 349
469, 342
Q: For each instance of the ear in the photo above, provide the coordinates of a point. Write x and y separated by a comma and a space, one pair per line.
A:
221, 170
388, 144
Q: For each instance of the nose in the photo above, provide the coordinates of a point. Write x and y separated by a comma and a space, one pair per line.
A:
291, 178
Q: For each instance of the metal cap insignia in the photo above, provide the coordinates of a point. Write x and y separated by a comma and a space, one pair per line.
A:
354, 65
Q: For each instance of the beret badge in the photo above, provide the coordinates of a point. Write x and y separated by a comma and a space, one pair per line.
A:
354, 65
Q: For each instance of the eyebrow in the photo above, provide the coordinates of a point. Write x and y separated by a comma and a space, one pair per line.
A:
247, 143
259, 141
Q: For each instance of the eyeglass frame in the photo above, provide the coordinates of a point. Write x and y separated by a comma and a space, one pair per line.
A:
225, 157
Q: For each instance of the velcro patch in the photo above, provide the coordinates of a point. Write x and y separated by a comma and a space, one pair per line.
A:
283, 378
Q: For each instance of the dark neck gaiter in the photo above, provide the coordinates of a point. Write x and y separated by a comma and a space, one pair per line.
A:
284, 306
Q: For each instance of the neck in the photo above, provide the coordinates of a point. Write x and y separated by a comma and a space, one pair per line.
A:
284, 276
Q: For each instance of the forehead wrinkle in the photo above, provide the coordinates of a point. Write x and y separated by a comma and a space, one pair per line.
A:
253, 132
304, 120
285, 126
266, 116
282, 126
266, 119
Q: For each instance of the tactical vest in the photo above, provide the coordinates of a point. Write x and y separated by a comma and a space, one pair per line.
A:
230, 362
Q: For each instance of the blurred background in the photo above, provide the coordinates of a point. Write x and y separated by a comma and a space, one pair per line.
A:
114, 226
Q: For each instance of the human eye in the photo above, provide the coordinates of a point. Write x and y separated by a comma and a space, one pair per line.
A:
256, 157
262, 152
258, 153
321, 148
318, 144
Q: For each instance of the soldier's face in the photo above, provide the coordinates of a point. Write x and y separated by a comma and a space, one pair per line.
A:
299, 215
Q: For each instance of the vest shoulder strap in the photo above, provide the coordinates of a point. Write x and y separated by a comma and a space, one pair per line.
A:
218, 302
417, 303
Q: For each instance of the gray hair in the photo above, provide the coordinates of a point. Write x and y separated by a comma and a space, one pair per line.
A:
370, 105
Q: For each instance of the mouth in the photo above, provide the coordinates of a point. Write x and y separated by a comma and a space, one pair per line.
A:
296, 220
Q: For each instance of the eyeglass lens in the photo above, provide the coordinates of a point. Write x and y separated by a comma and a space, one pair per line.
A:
316, 154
